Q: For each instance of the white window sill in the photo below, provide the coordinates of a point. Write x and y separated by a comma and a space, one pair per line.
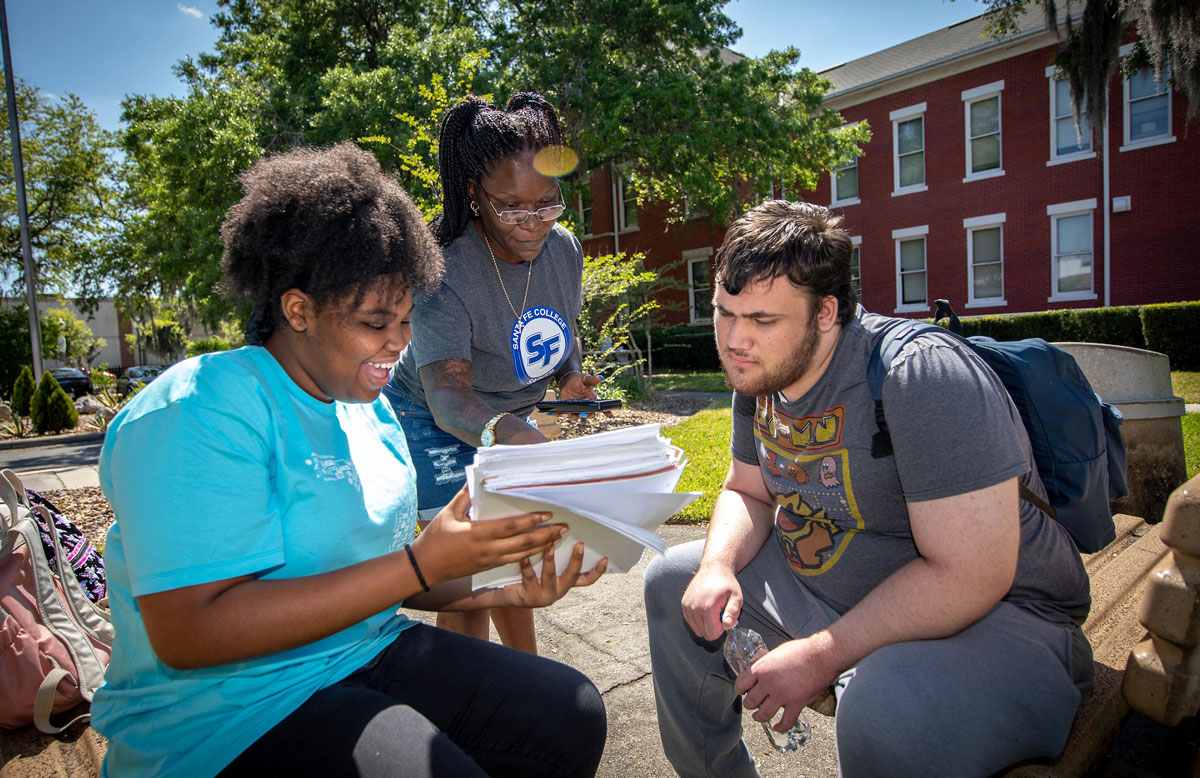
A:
844, 203
1072, 297
596, 235
912, 308
625, 230
984, 175
996, 303
1066, 159
1145, 144
910, 190
694, 320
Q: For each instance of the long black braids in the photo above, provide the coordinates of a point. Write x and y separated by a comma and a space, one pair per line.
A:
474, 136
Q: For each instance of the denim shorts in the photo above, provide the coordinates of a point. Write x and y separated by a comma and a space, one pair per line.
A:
438, 456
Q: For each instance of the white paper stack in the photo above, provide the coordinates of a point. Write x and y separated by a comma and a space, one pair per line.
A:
611, 489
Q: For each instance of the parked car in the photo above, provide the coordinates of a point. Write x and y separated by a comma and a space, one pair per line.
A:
136, 377
74, 381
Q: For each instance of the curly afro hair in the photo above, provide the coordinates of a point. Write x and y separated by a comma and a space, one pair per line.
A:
328, 222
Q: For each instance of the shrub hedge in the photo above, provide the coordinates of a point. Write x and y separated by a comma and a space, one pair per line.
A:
1168, 328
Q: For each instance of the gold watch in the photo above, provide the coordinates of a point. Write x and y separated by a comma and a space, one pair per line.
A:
487, 438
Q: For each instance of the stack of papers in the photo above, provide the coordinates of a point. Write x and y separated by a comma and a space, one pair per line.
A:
611, 489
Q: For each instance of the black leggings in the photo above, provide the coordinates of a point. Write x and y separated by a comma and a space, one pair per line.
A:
435, 703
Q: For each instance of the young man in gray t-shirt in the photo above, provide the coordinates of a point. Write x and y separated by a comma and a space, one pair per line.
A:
943, 610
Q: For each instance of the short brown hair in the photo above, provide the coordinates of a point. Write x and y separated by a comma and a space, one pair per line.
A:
799, 240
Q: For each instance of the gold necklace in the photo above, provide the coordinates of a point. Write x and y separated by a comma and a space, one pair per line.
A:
496, 265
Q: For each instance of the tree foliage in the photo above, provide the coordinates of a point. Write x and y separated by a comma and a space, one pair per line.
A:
1169, 32
50, 409
70, 190
643, 83
82, 345
160, 329
22, 391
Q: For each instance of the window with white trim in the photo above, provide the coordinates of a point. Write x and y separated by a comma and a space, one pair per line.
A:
699, 265
585, 212
1071, 250
985, 260
981, 109
908, 141
843, 184
911, 290
856, 264
1067, 142
627, 198
1147, 109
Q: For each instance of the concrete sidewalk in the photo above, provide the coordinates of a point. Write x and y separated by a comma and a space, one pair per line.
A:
601, 630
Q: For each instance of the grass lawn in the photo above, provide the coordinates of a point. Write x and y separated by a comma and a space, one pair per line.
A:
1191, 442
704, 437
1186, 385
689, 382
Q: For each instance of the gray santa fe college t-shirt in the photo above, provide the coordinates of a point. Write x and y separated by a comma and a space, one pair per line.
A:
842, 522
468, 317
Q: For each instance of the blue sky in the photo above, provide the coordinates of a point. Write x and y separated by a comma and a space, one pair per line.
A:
102, 50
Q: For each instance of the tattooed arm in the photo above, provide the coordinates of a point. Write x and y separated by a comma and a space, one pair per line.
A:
458, 410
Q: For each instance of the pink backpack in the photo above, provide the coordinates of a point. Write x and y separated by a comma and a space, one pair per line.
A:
54, 642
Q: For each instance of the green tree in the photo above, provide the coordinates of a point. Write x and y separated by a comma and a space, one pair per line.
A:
14, 344
22, 393
644, 83
70, 192
1090, 46
161, 330
82, 345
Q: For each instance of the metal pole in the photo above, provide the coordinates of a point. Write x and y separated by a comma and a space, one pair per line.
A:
35, 331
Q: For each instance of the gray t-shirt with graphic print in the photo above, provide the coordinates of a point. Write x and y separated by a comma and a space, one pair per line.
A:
843, 522
468, 317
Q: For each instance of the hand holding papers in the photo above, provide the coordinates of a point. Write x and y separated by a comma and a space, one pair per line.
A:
611, 490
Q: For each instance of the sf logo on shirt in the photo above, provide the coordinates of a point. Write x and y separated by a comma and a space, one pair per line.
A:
541, 340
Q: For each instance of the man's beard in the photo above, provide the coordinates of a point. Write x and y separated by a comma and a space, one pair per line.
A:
791, 370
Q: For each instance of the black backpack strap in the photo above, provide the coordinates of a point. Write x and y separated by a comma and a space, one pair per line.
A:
896, 335
1028, 495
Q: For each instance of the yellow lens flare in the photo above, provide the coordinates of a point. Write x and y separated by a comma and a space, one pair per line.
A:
555, 161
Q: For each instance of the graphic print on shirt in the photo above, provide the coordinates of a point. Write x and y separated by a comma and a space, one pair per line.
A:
331, 468
803, 461
541, 341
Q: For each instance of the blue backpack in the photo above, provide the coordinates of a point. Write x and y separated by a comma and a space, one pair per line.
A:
1076, 437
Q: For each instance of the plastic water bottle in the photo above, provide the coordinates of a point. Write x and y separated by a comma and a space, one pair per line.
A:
744, 647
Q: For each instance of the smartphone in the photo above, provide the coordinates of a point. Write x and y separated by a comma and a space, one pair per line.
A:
578, 406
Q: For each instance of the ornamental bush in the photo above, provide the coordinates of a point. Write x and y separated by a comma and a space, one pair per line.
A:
50, 409
22, 393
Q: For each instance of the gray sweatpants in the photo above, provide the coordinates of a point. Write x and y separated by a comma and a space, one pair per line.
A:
1003, 690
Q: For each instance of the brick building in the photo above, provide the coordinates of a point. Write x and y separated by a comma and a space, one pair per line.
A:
976, 186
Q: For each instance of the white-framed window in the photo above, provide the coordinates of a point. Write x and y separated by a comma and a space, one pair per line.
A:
1147, 108
627, 202
985, 260
856, 264
843, 184
699, 267
584, 203
908, 142
1071, 250
981, 112
1067, 143
911, 288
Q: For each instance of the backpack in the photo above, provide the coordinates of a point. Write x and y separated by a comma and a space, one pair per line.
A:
83, 557
1075, 436
54, 642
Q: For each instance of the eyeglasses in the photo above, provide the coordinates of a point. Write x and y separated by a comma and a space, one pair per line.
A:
520, 215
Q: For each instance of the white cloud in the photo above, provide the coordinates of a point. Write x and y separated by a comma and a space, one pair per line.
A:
190, 11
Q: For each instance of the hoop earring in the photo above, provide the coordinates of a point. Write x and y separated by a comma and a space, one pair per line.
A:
474, 207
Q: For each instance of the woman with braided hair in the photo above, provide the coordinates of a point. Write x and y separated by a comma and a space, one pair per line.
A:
500, 329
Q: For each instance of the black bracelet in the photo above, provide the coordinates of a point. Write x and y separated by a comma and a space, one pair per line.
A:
416, 568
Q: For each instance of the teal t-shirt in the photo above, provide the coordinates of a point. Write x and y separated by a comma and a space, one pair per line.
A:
224, 467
